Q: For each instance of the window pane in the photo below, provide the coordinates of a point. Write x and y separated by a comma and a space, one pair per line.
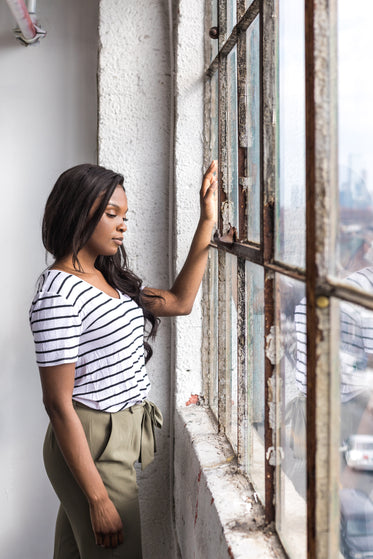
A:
255, 372
214, 117
355, 137
231, 346
230, 212
213, 327
231, 15
253, 132
356, 438
290, 207
214, 43
291, 415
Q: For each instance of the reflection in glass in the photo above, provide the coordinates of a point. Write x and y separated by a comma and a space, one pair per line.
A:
231, 346
356, 438
255, 373
290, 207
231, 15
213, 325
355, 138
291, 519
230, 214
253, 132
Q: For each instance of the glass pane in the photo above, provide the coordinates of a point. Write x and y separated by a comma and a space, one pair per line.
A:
253, 131
231, 345
231, 15
356, 438
214, 117
290, 207
291, 519
230, 212
214, 43
213, 325
355, 137
255, 373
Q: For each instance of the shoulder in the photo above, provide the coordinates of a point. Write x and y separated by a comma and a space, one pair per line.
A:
362, 279
57, 293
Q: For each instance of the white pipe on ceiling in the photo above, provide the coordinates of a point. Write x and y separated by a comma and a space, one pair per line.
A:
28, 32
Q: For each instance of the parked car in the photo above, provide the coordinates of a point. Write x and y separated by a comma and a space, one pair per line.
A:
356, 525
358, 451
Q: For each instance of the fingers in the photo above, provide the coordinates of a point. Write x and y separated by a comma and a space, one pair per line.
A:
109, 540
209, 177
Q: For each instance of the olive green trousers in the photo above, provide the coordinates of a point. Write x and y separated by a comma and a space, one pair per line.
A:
117, 441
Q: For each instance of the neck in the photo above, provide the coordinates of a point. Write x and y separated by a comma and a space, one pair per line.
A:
86, 265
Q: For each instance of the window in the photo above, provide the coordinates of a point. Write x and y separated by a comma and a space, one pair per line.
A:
289, 364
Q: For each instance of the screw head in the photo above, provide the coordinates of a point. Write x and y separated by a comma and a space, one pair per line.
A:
214, 33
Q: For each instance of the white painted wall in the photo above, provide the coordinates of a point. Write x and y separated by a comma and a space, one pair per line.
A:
134, 138
47, 123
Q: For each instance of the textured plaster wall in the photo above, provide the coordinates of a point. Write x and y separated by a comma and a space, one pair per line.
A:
189, 66
134, 138
48, 108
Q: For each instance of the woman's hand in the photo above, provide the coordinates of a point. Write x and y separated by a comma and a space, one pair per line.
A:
58, 384
106, 523
208, 198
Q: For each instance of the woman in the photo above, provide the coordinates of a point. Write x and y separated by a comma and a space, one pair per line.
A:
88, 320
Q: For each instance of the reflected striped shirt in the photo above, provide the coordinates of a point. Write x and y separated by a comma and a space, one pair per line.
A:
74, 322
356, 341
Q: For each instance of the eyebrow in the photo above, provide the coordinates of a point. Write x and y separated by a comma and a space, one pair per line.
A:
113, 205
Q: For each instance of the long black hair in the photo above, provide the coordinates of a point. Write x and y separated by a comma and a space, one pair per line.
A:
67, 226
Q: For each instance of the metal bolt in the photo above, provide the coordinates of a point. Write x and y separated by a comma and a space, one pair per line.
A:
214, 33
322, 302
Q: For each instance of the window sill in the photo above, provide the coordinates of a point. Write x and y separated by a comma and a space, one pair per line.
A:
216, 511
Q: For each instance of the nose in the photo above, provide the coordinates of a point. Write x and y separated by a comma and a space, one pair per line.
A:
122, 227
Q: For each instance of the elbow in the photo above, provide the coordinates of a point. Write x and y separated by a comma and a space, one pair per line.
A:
185, 310
54, 407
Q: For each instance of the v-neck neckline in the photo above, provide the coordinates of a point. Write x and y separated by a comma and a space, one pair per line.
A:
120, 295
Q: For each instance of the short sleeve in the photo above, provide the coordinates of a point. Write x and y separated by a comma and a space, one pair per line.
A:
56, 327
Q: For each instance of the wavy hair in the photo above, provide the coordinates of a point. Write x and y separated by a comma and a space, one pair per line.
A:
67, 226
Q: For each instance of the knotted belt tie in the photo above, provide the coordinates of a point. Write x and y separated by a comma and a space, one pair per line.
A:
151, 418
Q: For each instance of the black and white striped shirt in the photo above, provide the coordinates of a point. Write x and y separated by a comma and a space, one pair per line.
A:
74, 322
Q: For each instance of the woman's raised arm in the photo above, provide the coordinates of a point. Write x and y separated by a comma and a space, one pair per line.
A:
180, 298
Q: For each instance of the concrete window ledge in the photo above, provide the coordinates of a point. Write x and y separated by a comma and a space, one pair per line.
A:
216, 513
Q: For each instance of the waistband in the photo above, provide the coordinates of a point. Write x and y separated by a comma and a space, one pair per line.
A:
152, 418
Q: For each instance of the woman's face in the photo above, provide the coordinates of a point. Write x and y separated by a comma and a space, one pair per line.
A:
108, 234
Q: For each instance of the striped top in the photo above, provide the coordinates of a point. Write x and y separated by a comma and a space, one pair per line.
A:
356, 341
74, 322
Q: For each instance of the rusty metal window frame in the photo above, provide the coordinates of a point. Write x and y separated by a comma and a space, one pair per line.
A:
323, 291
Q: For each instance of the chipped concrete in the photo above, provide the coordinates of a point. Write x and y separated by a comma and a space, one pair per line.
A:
217, 513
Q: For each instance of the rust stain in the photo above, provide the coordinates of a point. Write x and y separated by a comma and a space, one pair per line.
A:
194, 399
230, 552
196, 513
199, 476
212, 500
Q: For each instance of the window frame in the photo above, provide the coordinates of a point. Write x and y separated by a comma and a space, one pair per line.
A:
323, 291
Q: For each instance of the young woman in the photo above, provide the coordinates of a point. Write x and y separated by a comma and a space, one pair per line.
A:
88, 319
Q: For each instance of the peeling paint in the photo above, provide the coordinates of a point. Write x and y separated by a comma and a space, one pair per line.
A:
271, 346
272, 401
226, 212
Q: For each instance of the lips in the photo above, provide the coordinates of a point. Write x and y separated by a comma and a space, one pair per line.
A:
118, 240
